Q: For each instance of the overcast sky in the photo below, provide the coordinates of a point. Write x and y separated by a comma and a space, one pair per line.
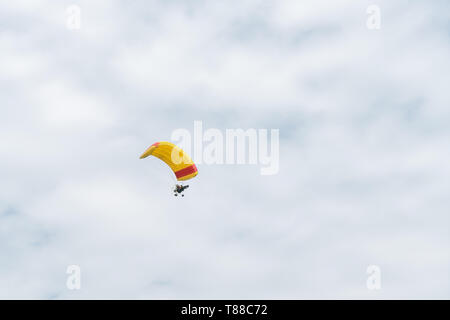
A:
363, 116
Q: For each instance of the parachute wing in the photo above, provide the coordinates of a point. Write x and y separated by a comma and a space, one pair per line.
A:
181, 164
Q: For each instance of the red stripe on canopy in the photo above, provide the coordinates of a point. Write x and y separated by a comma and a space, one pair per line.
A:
186, 171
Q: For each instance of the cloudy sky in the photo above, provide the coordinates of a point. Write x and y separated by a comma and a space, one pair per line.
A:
363, 116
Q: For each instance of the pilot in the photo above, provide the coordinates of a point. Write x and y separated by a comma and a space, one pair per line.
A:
180, 189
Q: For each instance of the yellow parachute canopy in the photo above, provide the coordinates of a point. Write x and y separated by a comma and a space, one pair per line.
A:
181, 164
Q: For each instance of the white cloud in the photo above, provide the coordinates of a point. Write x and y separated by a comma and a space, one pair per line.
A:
363, 159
